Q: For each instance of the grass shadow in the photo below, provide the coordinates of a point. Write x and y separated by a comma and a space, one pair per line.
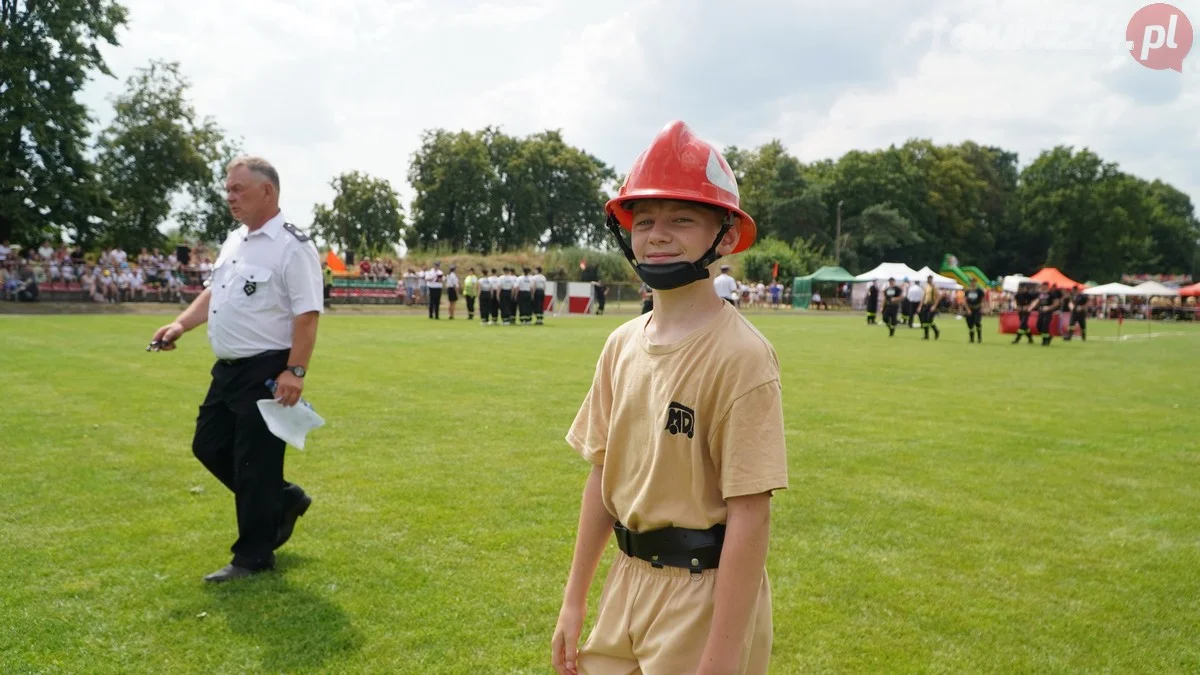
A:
298, 629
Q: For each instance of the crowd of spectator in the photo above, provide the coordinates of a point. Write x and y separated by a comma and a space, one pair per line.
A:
112, 275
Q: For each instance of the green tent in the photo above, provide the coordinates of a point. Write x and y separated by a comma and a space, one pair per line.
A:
802, 287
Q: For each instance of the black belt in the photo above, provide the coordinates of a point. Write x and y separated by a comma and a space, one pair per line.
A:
695, 550
264, 355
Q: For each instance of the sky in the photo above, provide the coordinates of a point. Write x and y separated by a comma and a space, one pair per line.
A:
321, 88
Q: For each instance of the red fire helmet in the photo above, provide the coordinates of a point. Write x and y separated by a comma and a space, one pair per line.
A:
679, 165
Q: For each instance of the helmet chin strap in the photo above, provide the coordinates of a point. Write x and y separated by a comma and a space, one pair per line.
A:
670, 276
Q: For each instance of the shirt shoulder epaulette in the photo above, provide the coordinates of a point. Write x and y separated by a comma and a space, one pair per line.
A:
295, 231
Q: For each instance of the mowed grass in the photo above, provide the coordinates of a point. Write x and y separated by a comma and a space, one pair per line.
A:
953, 507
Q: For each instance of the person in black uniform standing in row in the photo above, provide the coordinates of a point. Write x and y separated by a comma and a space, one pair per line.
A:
872, 303
524, 286
1047, 304
1026, 300
539, 296
975, 297
261, 307
1078, 315
892, 296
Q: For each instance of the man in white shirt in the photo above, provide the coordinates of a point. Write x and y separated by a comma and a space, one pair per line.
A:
261, 309
508, 283
5, 250
539, 296
452, 288
485, 296
524, 285
434, 279
914, 295
494, 303
726, 286
45, 251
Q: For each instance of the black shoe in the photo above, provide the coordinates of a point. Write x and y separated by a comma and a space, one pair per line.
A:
231, 572
289, 520
1017, 341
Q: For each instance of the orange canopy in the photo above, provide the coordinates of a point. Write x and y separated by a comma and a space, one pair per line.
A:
1052, 276
1193, 290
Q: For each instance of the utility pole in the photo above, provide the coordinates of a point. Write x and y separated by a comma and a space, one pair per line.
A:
837, 243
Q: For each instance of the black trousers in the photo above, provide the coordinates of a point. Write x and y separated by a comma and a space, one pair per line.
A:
890, 315
435, 303
506, 304
599, 296
647, 306
1081, 319
928, 316
1024, 325
471, 307
1043, 323
974, 318
539, 304
485, 306
525, 305
233, 443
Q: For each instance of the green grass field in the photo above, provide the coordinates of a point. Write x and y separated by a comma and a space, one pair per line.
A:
953, 508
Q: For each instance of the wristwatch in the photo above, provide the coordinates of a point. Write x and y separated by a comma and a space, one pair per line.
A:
298, 371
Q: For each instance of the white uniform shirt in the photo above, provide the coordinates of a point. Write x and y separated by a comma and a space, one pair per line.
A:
524, 283
452, 280
261, 281
433, 278
485, 285
539, 282
915, 293
507, 281
725, 286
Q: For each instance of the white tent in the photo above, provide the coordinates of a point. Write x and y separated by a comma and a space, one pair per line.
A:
898, 271
1153, 288
1112, 289
944, 283
1013, 282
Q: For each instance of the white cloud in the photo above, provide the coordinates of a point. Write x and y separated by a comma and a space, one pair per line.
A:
322, 88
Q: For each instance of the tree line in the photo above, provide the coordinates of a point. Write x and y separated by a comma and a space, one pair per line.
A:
486, 191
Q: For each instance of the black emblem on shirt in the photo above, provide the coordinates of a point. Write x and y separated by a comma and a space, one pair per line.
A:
250, 287
295, 232
681, 420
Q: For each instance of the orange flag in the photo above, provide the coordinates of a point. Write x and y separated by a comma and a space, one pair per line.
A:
775, 272
335, 263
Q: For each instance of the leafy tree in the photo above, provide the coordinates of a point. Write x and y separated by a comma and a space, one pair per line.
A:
365, 217
155, 149
48, 50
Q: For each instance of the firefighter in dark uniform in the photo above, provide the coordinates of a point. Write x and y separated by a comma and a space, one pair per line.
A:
892, 297
975, 297
1047, 304
1078, 315
872, 303
1026, 301
261, 306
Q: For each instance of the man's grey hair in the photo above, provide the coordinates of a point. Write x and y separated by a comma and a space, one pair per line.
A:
259, 166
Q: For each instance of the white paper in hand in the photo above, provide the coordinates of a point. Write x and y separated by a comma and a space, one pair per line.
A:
290, 424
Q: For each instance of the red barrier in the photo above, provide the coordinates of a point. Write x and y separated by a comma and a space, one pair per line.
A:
1010, 322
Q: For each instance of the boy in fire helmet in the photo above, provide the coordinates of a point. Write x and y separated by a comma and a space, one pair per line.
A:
683, 427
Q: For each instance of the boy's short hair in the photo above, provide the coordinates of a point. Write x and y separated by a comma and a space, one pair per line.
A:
718, 211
